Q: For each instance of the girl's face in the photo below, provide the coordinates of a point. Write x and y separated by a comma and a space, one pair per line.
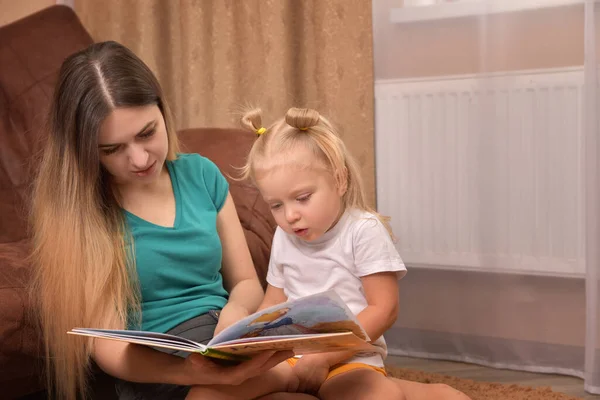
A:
133, 144
304, 199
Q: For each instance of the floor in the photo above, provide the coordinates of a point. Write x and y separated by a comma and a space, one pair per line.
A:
559, 383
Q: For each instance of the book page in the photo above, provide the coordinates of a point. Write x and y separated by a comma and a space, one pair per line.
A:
142, 337
320, 343
311, 315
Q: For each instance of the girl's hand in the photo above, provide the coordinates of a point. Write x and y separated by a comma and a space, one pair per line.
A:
311, 370
229, 315
200, 370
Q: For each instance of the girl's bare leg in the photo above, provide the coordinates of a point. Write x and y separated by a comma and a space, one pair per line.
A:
364, 384
361, 384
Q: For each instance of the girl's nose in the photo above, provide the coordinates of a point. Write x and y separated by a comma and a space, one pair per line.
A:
291, 215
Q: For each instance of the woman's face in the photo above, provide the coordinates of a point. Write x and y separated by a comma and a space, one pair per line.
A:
133, 144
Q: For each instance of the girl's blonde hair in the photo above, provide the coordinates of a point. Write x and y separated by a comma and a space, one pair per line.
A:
307, 128
84, 273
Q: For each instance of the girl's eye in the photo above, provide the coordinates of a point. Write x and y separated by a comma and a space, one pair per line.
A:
275, 206
110, 150
304, 198
147, 134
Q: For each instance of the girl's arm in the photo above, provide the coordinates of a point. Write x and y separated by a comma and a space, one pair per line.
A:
239, 275
381, 291
379, 265
273, 296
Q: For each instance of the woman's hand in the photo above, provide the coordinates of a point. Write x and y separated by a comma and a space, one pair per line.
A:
311, 370
200, 370
230, 314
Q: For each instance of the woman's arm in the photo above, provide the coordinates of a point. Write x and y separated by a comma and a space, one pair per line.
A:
136, 363
239, 275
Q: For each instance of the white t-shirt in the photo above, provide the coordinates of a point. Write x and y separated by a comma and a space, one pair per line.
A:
358, 245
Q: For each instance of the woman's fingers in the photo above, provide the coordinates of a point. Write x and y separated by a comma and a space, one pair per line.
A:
206, 371
256, 366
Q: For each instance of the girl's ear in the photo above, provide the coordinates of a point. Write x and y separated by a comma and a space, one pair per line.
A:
341, 181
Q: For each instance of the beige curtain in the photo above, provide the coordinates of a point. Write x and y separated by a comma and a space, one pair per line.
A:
214, 57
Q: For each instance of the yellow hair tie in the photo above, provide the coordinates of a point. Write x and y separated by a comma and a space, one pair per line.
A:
261, 131
303, 129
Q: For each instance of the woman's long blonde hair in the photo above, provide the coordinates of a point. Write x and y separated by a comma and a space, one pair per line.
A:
84, 272
307, 128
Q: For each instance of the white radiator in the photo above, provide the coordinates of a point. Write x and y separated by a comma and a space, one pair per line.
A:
483, 172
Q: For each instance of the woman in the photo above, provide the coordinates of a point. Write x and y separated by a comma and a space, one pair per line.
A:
129, 233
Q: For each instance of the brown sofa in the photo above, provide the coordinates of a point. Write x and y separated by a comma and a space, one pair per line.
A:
31, 51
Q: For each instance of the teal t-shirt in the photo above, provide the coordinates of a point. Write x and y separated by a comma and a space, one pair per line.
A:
179, 268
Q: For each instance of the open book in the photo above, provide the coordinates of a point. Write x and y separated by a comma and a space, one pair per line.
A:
313, 324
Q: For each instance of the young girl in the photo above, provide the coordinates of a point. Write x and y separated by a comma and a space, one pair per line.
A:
327, 238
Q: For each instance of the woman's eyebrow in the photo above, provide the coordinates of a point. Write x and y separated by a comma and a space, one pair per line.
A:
144, 129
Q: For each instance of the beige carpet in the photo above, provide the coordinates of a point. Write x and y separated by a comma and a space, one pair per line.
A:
481, 390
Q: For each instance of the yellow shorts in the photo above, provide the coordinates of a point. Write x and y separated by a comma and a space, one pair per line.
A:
341, 368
